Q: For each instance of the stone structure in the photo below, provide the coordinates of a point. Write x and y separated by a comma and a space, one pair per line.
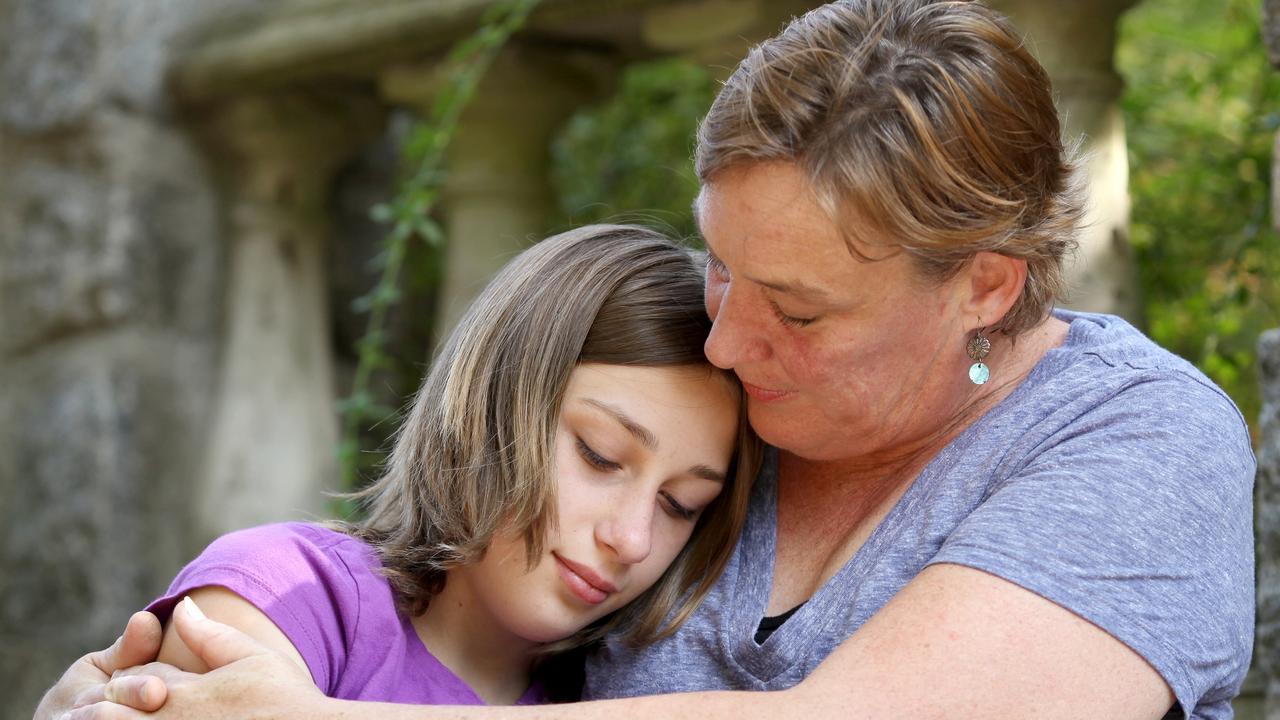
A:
111, 286
167, 170
1267, 499
1077, 48
1268, 508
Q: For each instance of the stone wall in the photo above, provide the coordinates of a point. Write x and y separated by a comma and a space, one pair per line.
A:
1267, 496
110, 285
1268, 514
166, 353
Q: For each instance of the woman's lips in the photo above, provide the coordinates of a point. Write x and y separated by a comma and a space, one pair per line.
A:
583, 582
764, 394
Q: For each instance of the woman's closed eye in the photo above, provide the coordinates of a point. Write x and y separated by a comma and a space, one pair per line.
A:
595, 459
716, 268
790, 320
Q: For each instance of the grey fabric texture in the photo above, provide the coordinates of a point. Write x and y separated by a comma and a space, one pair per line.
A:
1115, 481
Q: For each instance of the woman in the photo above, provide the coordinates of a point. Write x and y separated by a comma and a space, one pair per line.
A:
978, 507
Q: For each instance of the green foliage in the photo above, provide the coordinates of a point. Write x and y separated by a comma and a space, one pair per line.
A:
408, 215
631, 159
1200, 110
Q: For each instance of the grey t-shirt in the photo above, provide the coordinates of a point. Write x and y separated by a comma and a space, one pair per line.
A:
1116, 481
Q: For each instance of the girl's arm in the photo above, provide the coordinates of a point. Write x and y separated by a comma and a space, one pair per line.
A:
225, 606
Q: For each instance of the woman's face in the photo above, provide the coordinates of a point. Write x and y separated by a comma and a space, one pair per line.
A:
841, 358
640, 452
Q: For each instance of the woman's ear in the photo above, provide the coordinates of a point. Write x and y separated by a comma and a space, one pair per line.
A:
992, 283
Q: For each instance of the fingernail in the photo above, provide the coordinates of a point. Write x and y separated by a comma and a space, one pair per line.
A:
192, 608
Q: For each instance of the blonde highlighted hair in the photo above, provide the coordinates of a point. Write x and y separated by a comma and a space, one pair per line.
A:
475, 455
922, 124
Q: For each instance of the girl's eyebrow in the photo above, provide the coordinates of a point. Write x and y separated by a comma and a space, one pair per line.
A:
706, 473
641, 433
649, 440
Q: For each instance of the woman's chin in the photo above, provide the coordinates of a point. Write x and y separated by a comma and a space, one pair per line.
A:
780, 427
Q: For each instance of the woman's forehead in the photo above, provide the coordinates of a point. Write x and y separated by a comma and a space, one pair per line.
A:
770, 202
767, 227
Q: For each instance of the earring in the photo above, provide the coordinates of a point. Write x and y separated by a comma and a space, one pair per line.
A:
977, 350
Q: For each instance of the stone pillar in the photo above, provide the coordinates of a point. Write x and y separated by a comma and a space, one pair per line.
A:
271, 449
1077, 45
110, 277
498, 196
1267, 500
717, 34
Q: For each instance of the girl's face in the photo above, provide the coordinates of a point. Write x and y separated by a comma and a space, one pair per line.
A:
640, 452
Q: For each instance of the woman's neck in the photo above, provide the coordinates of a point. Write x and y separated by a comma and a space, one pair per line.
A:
464, 636
828, 508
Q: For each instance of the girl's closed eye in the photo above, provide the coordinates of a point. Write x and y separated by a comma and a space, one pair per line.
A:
595, 459
677, 509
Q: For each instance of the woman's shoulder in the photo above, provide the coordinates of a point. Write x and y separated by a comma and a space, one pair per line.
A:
1106, 366
1112, 342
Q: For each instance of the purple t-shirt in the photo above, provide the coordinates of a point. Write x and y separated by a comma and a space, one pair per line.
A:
323, 590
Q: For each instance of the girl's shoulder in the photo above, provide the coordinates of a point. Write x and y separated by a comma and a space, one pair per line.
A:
320, 586
299, 557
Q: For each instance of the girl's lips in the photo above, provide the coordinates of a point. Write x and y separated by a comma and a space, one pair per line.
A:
585, 584
764, 394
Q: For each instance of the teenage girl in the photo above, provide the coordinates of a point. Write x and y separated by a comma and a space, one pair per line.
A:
572, 466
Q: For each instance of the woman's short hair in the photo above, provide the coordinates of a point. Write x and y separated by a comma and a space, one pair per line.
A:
922, 124
475, 455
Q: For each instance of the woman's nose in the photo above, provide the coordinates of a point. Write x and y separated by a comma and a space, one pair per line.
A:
734, 339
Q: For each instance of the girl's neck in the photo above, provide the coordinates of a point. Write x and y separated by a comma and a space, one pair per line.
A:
462, 634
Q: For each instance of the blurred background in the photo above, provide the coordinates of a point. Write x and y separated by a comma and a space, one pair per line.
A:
199, 202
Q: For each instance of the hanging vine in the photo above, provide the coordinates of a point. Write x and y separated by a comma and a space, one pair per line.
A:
408, 216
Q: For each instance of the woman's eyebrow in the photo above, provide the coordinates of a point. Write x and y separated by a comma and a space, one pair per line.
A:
798, 288
641, 433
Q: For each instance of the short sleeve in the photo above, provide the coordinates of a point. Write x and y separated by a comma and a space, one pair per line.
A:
1137, 516
291, 573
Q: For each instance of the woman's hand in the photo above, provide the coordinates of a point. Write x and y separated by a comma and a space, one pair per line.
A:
246, 678
86, 681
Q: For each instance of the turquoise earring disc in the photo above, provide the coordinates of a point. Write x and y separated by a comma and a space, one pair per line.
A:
979, 373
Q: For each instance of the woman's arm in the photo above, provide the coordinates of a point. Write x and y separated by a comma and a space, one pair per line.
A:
85, 681
959, 642
956, 642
